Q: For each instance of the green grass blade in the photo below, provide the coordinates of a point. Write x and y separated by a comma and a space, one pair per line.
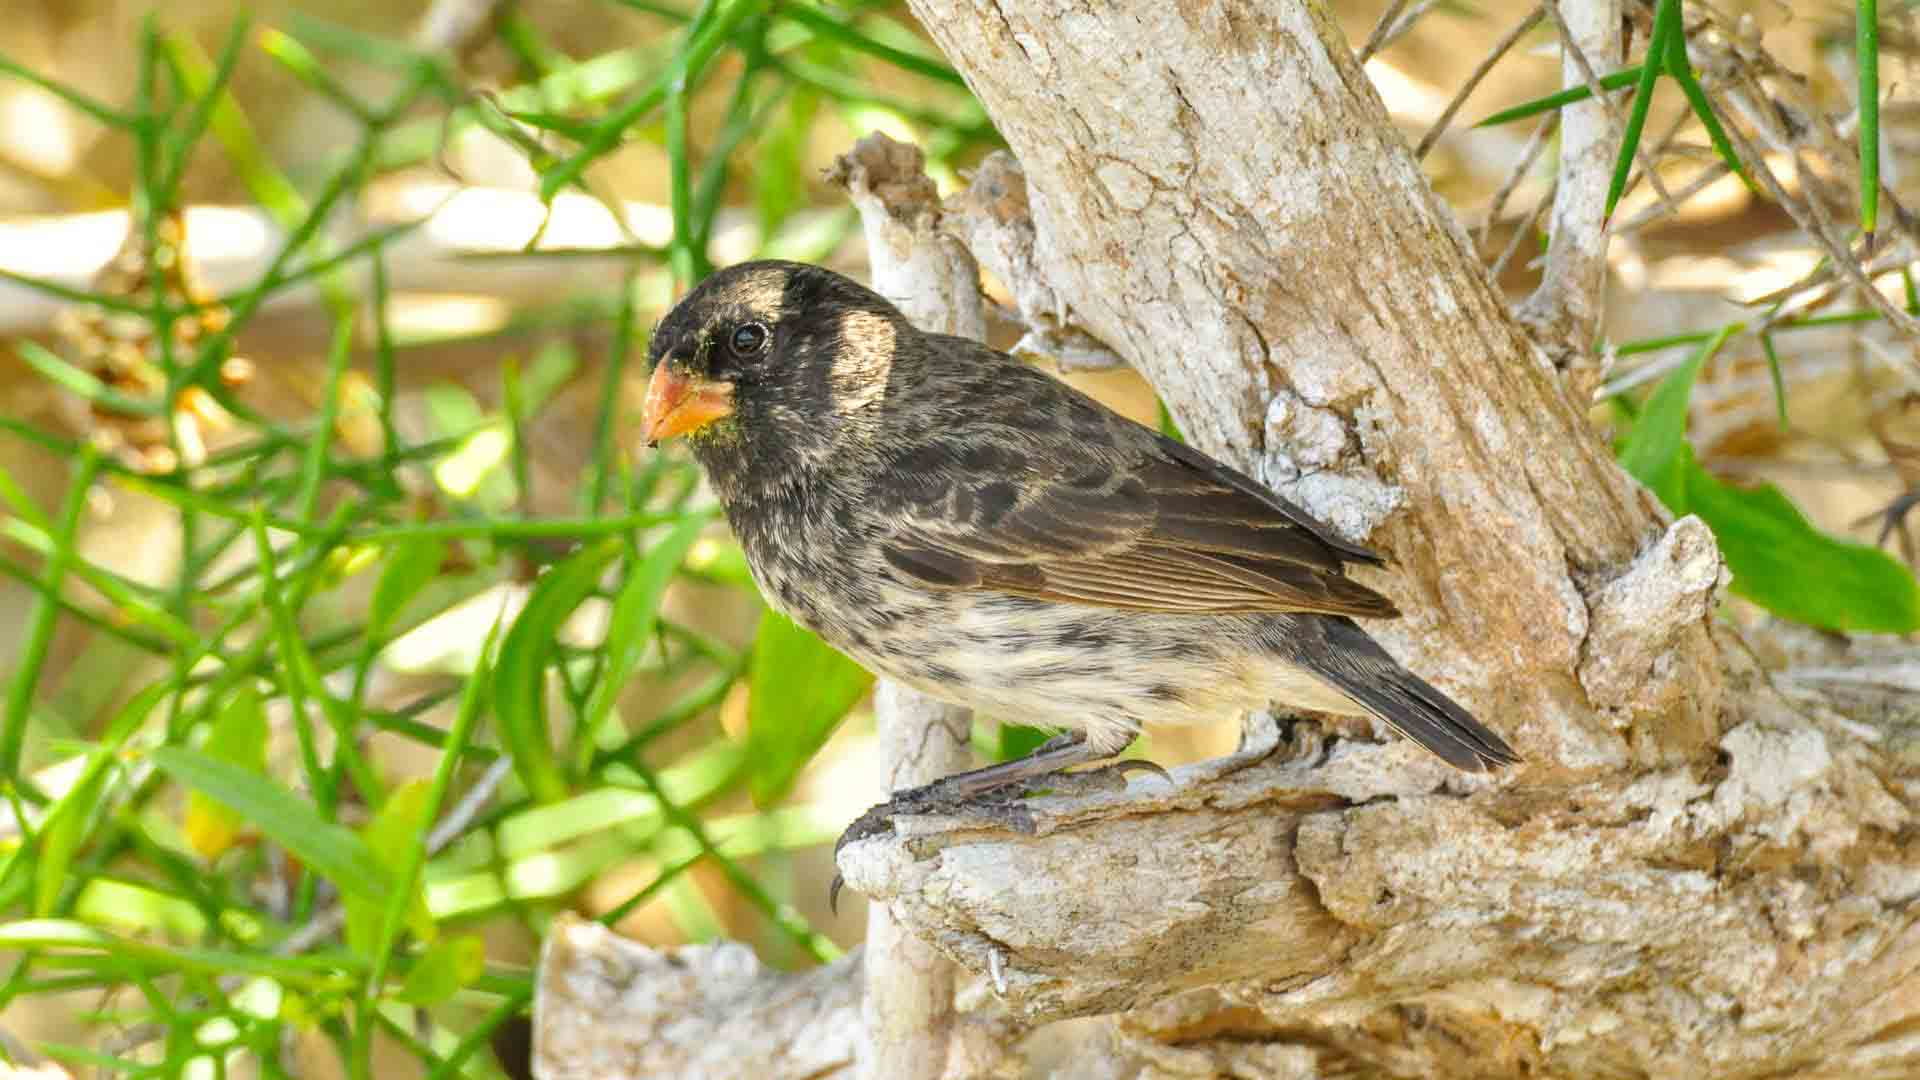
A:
1681, 69
799, 691
702, 43
844, 34
1866, 49
1664, 21
1779, 380
519, 682
329, 849
635, 614
81, 383
38, 639
105, 114
1611, 81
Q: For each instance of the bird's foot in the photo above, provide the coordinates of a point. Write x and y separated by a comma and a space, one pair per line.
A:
1103, 780
993, 808
996, 806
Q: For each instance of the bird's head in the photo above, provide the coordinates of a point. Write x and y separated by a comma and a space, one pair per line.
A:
769, 364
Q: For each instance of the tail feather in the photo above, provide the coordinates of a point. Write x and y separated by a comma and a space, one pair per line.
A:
1407, 703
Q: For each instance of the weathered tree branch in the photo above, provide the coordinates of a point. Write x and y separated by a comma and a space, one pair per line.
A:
1564, 313
908, 1015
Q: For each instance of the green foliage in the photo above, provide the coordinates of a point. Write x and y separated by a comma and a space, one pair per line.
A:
1777, 558
531, 646
330, 850
800, 690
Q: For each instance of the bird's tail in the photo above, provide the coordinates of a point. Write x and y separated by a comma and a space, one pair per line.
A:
1409, 704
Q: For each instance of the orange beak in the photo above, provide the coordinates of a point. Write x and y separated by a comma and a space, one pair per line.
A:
677, 404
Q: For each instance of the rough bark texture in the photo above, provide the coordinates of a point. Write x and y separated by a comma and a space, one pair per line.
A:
1707, 866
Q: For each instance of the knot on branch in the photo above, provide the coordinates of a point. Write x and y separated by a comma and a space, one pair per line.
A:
1630, 665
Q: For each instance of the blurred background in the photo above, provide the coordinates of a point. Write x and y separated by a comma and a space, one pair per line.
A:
324, 330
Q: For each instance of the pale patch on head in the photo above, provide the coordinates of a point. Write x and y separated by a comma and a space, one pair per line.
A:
758, 296
865, 360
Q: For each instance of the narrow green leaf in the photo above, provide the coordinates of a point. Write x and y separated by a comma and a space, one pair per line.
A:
399, 828
800, 690
409, 900
60, 836
845, 34
451, 965
328, 849
82, 384
780, 152
1785, 565
636, 612
1866, 52
63, 832
1168, 426
1642, 99
519, 682
1682, 71
1611, 81
239, 737
1779, 380
306, 67
77, 938
1652, 450
703, 40
411, 563
98, 110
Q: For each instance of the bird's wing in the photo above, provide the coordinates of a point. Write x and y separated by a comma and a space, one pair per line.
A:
1119, 517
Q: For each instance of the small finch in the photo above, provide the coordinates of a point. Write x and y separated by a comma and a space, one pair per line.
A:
964, 524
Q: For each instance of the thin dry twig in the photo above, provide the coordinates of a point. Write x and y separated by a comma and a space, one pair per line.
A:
1472, 82
1400, 29
1378, 39
1520, 234
1529, 154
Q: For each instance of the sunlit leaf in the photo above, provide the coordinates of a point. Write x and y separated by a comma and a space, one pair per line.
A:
781, 152
635, 614
451, 965
800, 690
409, 565
399, 827
329, 849
239, 737
519, 682
65, 829
1652, 450
1781, 562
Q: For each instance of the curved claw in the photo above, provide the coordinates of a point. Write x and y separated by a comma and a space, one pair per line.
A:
1142, 765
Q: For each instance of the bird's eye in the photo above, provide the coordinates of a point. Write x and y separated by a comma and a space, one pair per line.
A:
747, 340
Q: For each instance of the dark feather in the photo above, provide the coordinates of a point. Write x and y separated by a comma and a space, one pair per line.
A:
1120, 517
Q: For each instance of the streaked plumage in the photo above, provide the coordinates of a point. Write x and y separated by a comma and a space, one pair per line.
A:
969, 526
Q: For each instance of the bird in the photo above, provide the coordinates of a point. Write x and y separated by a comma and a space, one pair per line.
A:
967, 525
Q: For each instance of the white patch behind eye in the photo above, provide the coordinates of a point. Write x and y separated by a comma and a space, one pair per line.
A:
866, 359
